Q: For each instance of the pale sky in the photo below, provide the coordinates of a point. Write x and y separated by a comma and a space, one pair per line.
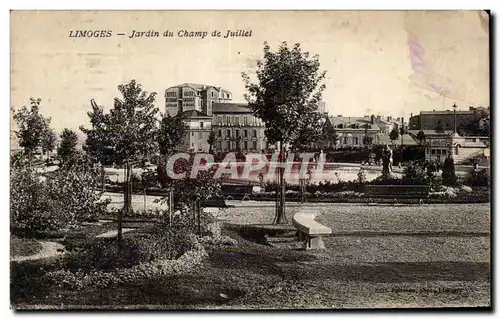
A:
365, 53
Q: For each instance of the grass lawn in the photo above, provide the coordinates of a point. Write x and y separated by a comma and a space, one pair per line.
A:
24, 246
378, 256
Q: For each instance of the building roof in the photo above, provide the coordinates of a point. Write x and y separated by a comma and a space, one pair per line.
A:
448, 112
350, 121
198, 86
194, 113
230, 108
386, 140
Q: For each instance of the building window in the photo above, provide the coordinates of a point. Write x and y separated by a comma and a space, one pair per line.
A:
200, 135
228, 119
444, 152
356, 140
228, 133
254, 133
192, 134
245, 145
345, 140
237, 133
438, 152
254, 145
228, 145
433, 152
245, 133
219, 145
219, 133
219, 119
201, 124
245, 120
212, 93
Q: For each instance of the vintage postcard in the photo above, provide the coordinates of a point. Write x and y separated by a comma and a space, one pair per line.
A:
250, 160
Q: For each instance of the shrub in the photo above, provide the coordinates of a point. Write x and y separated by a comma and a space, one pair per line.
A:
63, 198
477, 178
30, 207
448, 174
151, 270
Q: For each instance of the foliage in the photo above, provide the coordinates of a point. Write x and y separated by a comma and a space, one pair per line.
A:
67, 148
49, 138
439, 127
394, 135
478, 178
30, 209
129, 130
421, 137
171, 134
129, 274
32, 126
286, 95
448, 174
421, 172
60, 199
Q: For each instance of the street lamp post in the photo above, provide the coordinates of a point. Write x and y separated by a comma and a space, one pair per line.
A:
454, 118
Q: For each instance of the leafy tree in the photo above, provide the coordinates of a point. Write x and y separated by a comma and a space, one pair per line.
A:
67, 148
394, 135
171, 134
211, 140
439, 127
129, 130
32, 126
286, 97
98, 145
48, 142
421, 137
448, 174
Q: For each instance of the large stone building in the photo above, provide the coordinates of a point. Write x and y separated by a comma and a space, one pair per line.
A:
461, 149
465, 120
351, 131
236, 128
207, 108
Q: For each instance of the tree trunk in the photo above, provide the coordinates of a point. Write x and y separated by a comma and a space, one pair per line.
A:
125, 203
280, 211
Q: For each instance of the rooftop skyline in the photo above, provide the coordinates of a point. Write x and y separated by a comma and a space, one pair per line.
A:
371, 57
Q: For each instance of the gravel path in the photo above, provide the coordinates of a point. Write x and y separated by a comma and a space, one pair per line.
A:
49, 250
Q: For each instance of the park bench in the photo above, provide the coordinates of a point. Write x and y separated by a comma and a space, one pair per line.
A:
232, 192
310, 231
395, 192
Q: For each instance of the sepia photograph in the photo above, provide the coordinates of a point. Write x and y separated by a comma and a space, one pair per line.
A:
250, 160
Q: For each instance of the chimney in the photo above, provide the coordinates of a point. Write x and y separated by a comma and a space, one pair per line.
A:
372, 119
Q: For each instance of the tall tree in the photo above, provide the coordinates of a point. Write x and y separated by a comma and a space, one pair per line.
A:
286, 98
48, 143
67, 148
128, 131
394, 135
32, 126
172, 132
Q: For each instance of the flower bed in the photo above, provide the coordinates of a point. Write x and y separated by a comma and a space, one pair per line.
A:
148, 270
